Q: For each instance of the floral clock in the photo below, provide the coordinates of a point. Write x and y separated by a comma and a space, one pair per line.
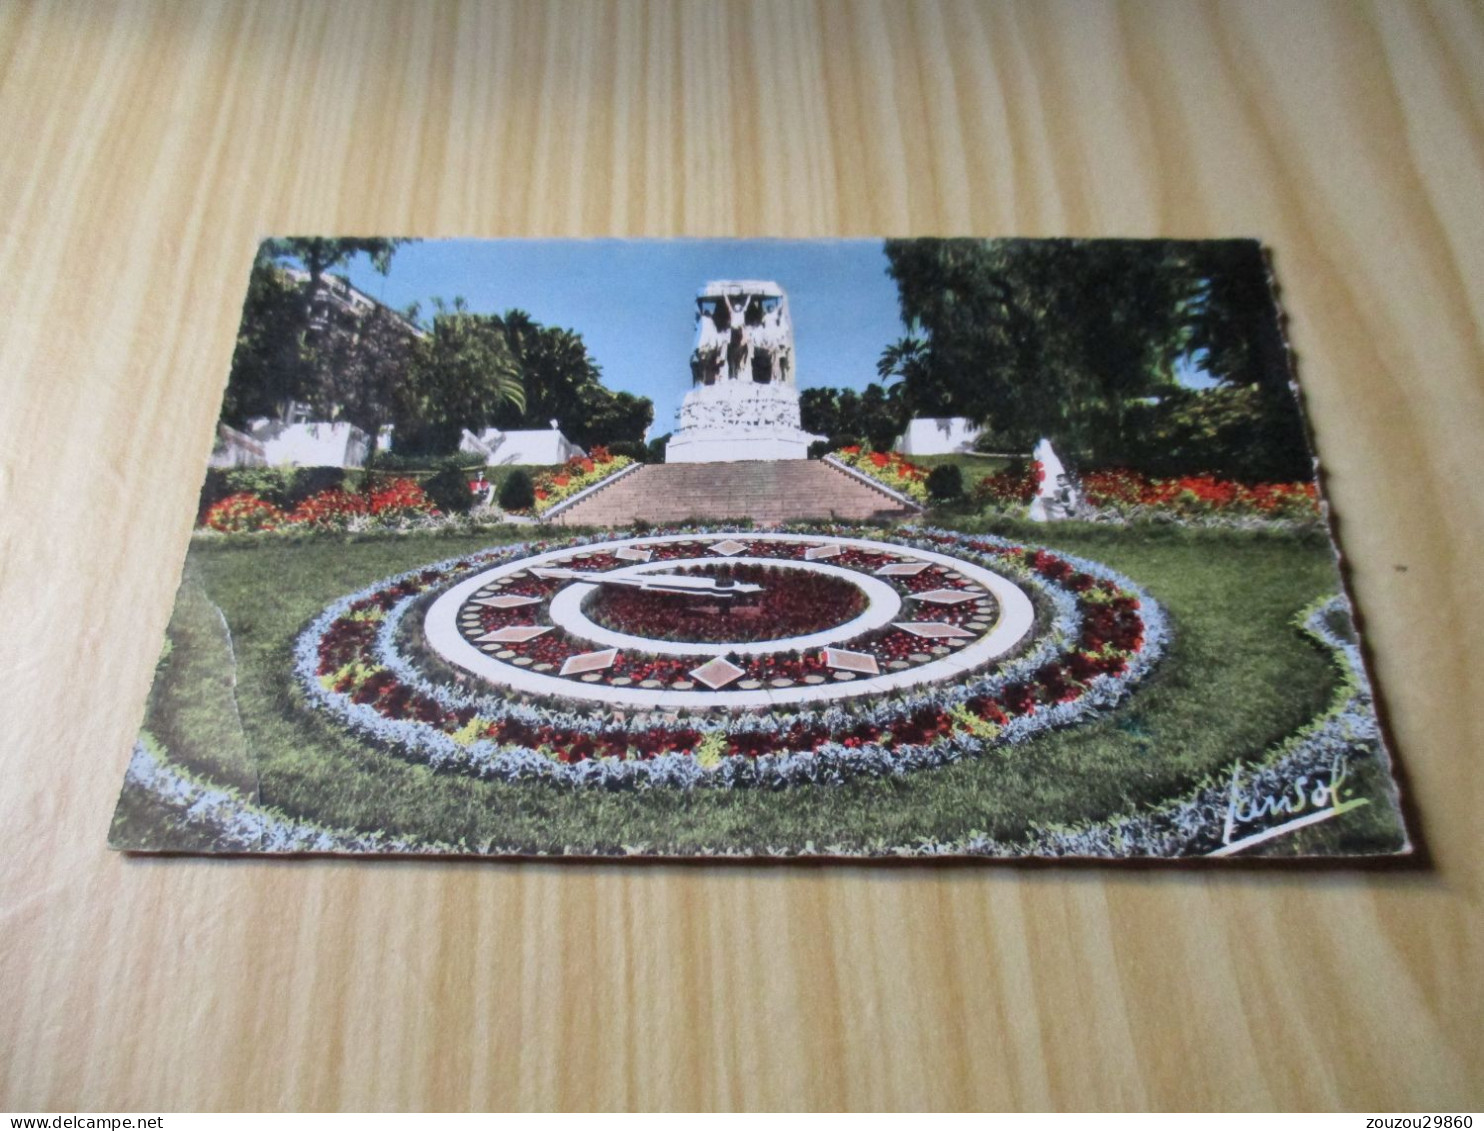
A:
762, 621
693, 658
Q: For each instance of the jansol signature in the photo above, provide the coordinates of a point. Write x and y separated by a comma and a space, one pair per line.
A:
1306, 800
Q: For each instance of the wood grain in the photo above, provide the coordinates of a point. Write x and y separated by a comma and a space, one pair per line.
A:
147, 148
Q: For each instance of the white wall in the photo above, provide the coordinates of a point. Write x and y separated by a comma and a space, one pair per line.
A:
540, 447
937, 436
313, 444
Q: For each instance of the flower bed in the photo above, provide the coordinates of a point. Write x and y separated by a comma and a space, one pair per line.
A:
1103, 636
802, 603
1121, 493
1187, 825
245, 513
392, 504
791, 604
577, 474
889, 468
1008, 487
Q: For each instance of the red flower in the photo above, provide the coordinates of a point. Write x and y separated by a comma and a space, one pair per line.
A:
244, 513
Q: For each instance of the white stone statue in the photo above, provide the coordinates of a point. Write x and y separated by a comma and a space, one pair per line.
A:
744, 403
1056, 495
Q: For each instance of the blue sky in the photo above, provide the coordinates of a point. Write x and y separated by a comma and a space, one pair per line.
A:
633, 301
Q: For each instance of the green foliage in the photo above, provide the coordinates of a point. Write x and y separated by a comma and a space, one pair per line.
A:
636, 450
875, 417
411, 460
272, 484
463, 373
295, 344
611, 418
563, 383
302, 340
1228, 431
364, 370
320, 255
1040, 337
517, 492
284, 487
1078, 340
269, 366
945, 483
910, 359
657, 448
306, 481
449, 490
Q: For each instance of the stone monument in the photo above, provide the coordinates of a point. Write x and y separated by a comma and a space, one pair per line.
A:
1056, 495
744, 404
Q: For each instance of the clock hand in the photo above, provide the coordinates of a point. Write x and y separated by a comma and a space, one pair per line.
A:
655, 582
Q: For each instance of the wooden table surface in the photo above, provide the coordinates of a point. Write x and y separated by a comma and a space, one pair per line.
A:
144, 151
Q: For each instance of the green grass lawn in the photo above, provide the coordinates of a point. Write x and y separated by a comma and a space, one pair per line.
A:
973, 467
1238, 678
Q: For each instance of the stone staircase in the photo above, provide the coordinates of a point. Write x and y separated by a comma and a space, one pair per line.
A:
768, 492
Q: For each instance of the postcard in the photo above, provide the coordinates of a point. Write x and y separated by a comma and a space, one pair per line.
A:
843, 550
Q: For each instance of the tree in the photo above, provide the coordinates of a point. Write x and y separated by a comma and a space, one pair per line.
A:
321, 255
462, 376
612, 418
294, 345
1078, 340
564, 383
268, 365
1238, 340
1039, 337
876, 416
366, 364
556, 370
517, 493
819, 411
911, 359
883, 415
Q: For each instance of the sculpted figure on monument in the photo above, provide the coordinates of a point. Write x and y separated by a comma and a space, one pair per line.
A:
743, 403
743, 333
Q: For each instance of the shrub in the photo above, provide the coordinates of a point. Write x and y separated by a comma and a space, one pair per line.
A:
422, 461
449, 490
657, 448
271, 484
820, 448
305, 482
517, 493
283, 487
634, 449
945, 483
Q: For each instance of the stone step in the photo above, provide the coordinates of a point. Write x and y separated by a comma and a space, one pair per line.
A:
767, 492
